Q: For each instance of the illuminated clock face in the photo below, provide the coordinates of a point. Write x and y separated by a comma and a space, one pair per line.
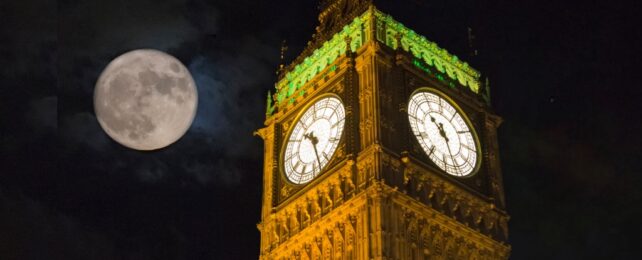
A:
313, 140
443, 133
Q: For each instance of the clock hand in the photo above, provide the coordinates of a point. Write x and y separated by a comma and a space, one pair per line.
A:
317, 154
440, 126
314, 140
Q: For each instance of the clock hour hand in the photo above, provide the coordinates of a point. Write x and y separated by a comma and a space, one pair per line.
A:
440, 126
314, 140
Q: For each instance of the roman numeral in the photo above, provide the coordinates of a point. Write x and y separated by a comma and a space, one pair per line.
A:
331, 115
470, 164
291, 156
457, 171
432, 149
296, 165
423, 135
424, 111
314, 113
336, 123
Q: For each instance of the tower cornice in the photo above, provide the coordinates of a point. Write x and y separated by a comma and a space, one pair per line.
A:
369, 24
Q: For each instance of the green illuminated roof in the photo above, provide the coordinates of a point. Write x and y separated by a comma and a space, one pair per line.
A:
358, 32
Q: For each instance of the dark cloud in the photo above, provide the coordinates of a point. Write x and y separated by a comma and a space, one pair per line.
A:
227, 83
83, 128
229, 79
565, 86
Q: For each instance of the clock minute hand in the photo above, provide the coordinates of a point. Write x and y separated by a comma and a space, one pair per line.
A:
451, 156
314, 140
440, 126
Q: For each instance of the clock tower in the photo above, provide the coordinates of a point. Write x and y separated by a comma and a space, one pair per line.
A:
379, 144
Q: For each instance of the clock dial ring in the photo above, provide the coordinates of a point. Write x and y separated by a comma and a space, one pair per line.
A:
444, 132
313, 139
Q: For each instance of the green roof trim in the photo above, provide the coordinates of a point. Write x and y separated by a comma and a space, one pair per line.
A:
322, 57
386, 31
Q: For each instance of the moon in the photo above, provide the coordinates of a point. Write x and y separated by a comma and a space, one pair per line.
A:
145, 99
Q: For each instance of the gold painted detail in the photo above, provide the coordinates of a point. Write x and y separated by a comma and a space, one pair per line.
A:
310, 207
453, 201
409, 230
427, 234
340, 235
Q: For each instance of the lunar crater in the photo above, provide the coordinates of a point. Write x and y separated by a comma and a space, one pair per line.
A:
145, 99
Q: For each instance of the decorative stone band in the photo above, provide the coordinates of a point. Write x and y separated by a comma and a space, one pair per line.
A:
356, 33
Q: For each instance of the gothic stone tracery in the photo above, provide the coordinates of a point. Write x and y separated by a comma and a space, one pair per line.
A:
379, 198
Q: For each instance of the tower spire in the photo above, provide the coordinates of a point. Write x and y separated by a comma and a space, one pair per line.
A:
284, 47
335, 13
471, 43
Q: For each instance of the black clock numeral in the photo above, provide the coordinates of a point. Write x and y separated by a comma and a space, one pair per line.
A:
432, 150
290, 156
415, 118
296, 165
304, 126
424, 111
469, 163
332, 114
467, 147
455, 165
336, 123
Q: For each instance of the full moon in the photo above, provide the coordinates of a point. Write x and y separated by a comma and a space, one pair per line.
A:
145, 99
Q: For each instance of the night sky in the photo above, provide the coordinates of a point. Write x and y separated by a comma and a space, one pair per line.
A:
564, 76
